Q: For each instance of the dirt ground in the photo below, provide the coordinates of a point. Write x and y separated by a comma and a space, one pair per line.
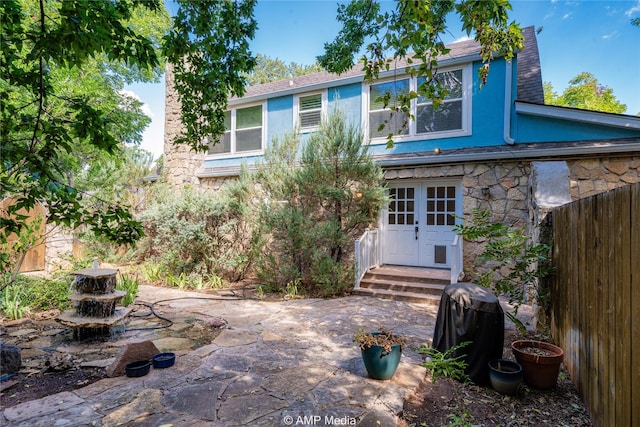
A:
452, 403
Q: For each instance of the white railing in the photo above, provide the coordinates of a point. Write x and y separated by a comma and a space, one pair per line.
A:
367, 253
456, 259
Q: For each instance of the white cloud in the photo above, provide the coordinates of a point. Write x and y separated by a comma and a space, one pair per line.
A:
567, 15
610, 36
462, 39
145, 107
633, 10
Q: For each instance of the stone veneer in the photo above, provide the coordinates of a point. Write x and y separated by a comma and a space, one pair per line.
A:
180, 162
501, 188
594, 176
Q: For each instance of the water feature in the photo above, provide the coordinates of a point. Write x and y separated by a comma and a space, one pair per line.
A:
95, 299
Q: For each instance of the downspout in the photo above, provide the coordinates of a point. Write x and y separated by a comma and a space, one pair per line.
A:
507, 103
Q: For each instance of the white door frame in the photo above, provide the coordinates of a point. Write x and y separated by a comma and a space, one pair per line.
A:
427, 241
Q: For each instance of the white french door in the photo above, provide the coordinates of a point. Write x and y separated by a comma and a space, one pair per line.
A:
417, 225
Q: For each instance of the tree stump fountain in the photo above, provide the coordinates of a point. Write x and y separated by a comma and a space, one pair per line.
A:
95, 303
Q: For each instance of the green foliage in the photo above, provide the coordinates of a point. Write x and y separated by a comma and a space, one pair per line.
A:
63, 65
152, 271
465, 419
447, 364
586, 93
12, 253
14, 302
315, 208
206, 234
29, 294
209, 49
508, 264
270, 70
129, 285
415, 28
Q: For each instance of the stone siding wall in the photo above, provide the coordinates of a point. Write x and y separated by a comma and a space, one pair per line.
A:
501, 188
180, 163
594, 176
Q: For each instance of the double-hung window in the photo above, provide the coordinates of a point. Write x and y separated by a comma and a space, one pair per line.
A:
383, 117
243, 131
309, 110
450, 118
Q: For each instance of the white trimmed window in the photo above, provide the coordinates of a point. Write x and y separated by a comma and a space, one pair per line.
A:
243, 131
452, 118
309, 110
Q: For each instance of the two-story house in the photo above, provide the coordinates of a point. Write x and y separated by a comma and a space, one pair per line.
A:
496, 147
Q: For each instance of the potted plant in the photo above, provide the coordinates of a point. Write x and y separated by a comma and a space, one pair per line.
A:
505, 376
540, 362
381, 352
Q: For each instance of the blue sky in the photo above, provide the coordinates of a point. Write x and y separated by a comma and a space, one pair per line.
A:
576, 36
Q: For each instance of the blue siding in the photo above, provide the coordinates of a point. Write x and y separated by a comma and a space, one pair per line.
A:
487, 118
348, 99
544, 129
279, 121
279, 117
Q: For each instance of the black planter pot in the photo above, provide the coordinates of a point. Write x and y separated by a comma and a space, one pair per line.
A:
379, 366
505, 376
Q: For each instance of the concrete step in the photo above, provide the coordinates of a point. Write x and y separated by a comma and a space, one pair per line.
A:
374, 283
410, 274
399, 296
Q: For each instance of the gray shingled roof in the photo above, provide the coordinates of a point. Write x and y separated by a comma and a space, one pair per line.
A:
529, 76
529, 73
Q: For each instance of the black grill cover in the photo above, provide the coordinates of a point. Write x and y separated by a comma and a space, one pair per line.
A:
469, 312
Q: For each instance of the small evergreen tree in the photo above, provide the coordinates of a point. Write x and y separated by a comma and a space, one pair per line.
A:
317, 207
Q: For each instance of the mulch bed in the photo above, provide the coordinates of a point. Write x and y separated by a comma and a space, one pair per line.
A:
451, 403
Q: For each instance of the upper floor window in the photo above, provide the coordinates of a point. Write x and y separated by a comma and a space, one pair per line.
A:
451, 117
309, 111
243, 131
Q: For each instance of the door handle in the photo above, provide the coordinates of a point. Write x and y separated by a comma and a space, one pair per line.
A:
416, 232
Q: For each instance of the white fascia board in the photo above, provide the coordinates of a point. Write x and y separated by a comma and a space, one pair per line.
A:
347, 80
585, 116
604, 148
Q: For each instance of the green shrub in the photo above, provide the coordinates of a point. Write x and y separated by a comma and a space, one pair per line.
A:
29, 294
314, 207
448, 364
197, 232
129, 285
13, 303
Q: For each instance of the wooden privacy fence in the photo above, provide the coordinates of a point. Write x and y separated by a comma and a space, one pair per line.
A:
35, 258
595, 295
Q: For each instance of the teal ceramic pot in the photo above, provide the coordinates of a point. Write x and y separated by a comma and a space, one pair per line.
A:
505, 376
381, 367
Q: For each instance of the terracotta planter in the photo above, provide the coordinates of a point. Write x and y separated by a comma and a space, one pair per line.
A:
540, 362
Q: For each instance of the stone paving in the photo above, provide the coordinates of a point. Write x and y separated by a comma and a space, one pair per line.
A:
276, 364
